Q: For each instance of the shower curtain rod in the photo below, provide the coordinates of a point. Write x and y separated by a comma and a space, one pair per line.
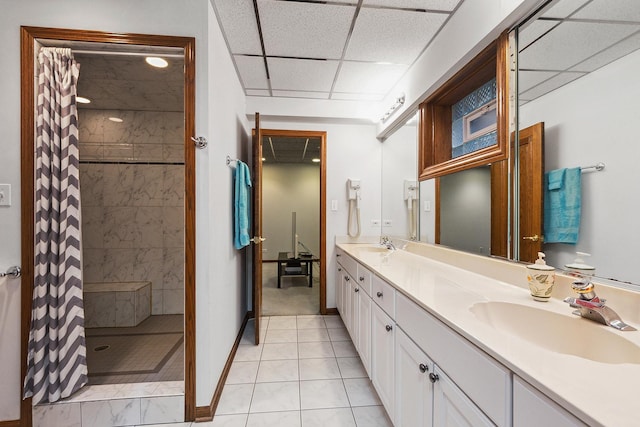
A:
117, 53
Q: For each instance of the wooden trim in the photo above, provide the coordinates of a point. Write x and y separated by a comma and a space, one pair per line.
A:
10, 423
434, 148
436, 236
28, 35
499, 208
332, 311
323, 200
206, 413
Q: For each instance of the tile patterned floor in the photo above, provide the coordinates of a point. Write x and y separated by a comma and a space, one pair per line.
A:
306, 373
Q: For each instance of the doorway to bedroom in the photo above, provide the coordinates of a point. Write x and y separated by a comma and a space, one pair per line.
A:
292, 217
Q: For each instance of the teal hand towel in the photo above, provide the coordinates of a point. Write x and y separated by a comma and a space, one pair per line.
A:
241, 212
562, 205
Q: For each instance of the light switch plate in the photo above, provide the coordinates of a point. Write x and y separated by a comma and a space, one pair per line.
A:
5, 194
334, 205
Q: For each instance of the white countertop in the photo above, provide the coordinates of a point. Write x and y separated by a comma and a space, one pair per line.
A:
598, 393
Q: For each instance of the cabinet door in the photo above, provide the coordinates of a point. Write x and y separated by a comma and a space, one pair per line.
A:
354, 298
364, 330
452, 408
339, 277
346, 300
382, 356
532, 408
414, 389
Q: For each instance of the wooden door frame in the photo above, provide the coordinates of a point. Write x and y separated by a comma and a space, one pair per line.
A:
28, 36
323, 199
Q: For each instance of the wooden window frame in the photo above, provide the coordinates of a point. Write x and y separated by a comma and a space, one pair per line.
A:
434, 149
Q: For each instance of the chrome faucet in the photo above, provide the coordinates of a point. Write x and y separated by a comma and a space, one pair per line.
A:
386, 241
590, 306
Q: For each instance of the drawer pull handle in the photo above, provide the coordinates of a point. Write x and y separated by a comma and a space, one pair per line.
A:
356, 290
433, 377
388, 328
379, 294
347, 278
339, 269
423, 368
338, 255
362, 278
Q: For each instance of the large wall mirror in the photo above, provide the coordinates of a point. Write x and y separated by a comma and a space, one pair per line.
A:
578, 68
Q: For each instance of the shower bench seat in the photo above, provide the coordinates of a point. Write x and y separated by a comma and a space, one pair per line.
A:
116, 304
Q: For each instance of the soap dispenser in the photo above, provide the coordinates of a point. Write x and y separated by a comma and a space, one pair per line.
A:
579, 268
541, 278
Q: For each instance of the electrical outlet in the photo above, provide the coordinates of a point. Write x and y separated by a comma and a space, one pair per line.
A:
387, 223
5, 194
375, 222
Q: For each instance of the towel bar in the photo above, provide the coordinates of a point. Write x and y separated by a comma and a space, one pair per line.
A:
14, 272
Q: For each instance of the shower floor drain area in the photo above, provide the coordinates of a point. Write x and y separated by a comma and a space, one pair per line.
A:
101, 348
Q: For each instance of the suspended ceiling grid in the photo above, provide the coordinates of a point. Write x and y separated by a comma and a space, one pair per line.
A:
572, 38
339, 49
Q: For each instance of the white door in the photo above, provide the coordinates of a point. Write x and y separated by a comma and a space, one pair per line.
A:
382, 356
414, 389
452, 408
364, 330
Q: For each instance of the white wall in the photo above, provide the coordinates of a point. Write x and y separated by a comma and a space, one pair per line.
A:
352, 152
590, 120
219, 103
286, 188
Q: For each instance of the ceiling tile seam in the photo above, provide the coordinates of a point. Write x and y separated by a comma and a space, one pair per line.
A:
226, 42
405, 9
264, 53
602, 21
346, 46
302, 58
581, 74
424, 49
605, 49
539, 37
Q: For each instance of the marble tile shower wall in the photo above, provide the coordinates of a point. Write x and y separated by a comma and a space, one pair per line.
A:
133, 213
142, 135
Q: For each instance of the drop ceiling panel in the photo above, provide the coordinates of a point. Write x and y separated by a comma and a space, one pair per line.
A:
615, 52
396, 36
252, 71
531, 32
529, 79
564, 8
549, 85
446, 5
570, 43
300, 94
301, 74
304, 30
369, 78
238, 21
617, 10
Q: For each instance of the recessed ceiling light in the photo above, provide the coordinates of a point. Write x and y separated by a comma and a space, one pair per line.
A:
156, 62
82, 100
116, 119
316, 160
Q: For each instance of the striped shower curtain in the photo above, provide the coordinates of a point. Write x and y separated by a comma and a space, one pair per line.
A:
56, 358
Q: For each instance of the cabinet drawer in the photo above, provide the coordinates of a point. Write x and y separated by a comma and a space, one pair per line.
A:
486, 382
364, 279
384, 295
348, 263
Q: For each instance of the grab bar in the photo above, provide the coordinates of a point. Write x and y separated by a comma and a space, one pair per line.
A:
14, 272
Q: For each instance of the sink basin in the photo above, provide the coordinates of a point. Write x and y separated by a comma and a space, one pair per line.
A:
559, 333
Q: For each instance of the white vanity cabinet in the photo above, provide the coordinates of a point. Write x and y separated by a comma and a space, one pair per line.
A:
486, 382
413, 388
383, 330
452, 408
531, 408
